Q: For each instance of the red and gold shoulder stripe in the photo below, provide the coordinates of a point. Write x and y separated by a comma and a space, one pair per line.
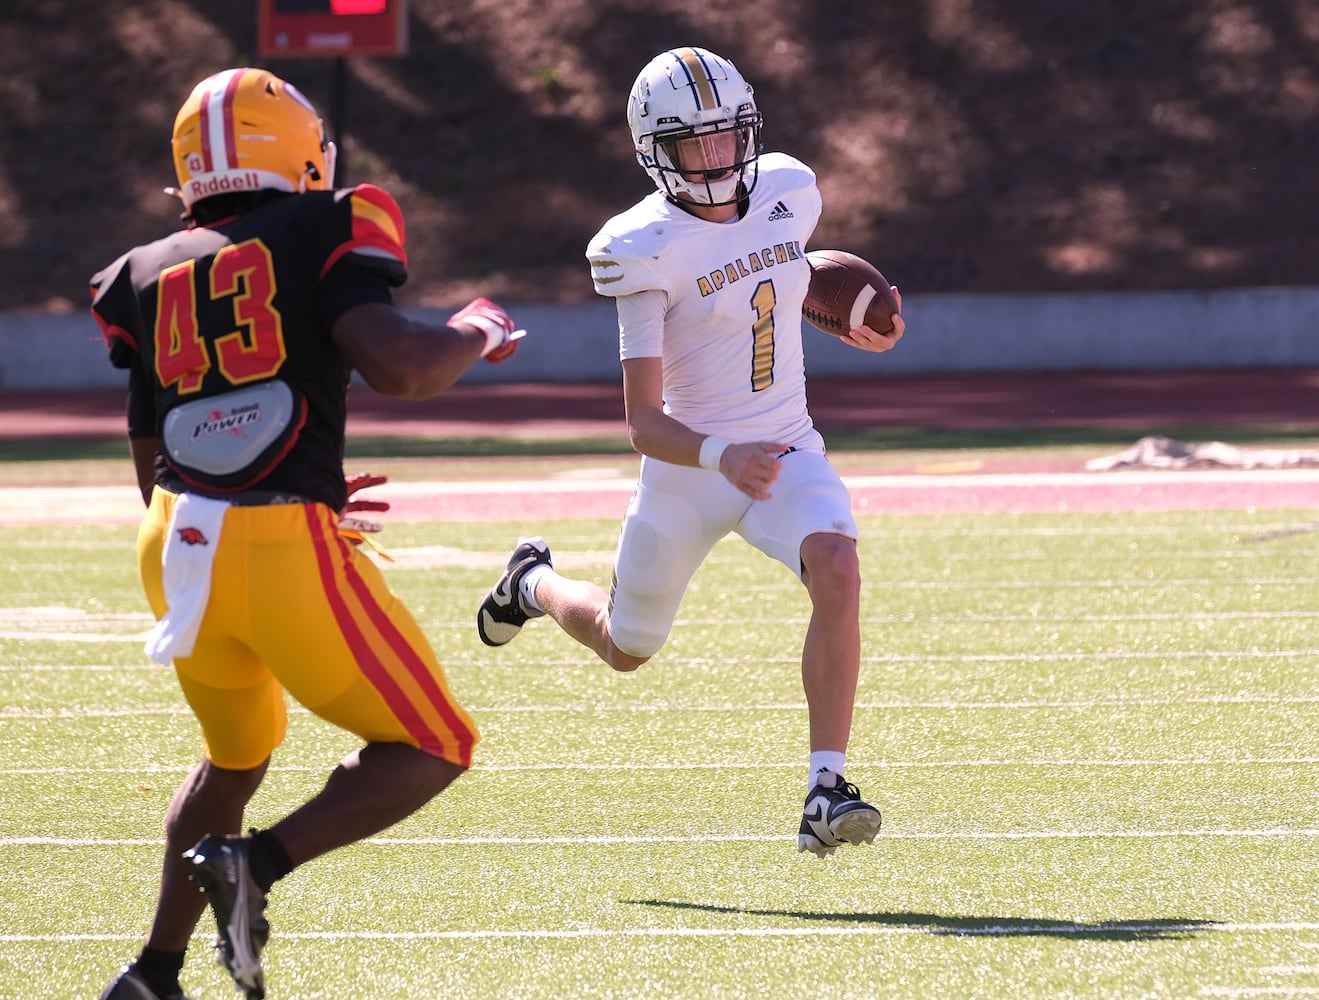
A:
378, 221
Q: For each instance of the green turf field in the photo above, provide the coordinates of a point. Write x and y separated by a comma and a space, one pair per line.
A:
1093, 738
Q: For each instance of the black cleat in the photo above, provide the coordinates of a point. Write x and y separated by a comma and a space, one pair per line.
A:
834, 815
502, 613
129, 985
220, 867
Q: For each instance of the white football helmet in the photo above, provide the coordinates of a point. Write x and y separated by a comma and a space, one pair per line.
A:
695, 126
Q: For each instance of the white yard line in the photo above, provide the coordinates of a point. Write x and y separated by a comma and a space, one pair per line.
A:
590, 708
680, 661
1142, 764
577, 841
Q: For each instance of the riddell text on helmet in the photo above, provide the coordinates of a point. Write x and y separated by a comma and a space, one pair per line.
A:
249, 181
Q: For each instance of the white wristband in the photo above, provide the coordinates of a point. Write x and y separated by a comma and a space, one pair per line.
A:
712, 449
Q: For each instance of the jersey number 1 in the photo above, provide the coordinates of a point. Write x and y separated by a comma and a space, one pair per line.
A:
762, 336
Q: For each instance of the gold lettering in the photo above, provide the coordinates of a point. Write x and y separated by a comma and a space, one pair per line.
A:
743, 267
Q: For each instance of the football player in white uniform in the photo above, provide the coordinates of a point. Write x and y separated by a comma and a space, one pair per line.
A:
709, 273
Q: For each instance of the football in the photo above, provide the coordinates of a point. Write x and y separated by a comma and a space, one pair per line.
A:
847, 292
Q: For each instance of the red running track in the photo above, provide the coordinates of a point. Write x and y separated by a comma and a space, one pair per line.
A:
1142, 401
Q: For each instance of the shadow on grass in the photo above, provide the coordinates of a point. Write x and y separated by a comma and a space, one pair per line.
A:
1107, 930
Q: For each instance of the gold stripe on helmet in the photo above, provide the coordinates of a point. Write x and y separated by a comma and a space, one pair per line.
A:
700, 77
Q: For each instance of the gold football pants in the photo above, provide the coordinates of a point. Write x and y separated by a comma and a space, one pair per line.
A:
294, 607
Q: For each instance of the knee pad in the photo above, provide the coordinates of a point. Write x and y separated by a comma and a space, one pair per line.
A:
637, 642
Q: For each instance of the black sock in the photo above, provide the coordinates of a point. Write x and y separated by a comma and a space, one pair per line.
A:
160, 969
269, 861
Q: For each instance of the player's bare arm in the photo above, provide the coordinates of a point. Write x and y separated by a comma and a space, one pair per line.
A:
650, 430
399, 356
144, 464
750, 466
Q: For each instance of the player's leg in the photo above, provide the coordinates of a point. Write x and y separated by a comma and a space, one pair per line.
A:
344, 645
674, 520
581, 608
808, 526
831, 664
210, 798
240, 708
214, 795
531, 588
369, 791
831, 653
321, 616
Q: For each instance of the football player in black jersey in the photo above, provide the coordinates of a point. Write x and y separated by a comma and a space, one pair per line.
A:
239, 334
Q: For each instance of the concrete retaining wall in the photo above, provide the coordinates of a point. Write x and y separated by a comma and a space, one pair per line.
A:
1231, 328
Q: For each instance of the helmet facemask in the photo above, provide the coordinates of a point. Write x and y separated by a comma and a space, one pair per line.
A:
708, 165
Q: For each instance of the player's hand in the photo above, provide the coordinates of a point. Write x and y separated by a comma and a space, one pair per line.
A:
354, 528
866, 339
490, 318
358, 529
364, 481
752, 467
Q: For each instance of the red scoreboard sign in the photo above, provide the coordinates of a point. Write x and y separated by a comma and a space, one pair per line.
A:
298, 28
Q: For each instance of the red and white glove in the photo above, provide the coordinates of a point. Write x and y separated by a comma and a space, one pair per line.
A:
362, 481
488, 317
358, 530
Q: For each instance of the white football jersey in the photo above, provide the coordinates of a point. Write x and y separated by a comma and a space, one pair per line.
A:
720, 303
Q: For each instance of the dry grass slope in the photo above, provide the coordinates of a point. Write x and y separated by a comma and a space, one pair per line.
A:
963, 145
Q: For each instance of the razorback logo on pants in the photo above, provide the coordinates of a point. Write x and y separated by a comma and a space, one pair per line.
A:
192, 536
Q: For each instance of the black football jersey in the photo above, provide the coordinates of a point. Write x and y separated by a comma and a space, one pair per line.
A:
247, 300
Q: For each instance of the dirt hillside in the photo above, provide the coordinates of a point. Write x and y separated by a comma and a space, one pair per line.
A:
963, 145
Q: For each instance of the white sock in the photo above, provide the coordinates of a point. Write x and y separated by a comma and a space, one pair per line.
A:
527, 586
824, 760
